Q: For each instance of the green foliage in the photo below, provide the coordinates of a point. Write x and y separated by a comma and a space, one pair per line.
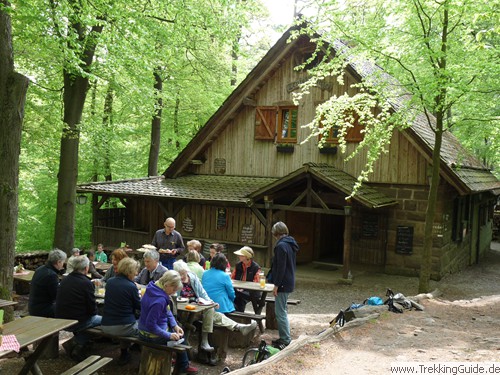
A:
188, 42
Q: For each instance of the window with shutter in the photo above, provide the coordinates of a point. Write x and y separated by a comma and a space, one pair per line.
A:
353, 134
265, 123
287, 124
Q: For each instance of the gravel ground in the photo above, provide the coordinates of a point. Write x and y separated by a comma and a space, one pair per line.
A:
321, 298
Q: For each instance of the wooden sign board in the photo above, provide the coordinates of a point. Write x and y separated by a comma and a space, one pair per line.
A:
404, 240
246, 235
221, 218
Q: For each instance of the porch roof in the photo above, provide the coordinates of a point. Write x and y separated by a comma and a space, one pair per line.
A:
335, 179
234, 189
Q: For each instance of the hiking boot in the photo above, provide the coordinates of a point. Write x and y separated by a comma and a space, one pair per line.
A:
190, 370
79, 353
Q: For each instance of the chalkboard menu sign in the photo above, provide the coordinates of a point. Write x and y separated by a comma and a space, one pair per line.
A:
404, 240
187, 225
369, 226
221, 218
247, 233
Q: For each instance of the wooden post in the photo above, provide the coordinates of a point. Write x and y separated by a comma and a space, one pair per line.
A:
269, 225
347, 242
271, 322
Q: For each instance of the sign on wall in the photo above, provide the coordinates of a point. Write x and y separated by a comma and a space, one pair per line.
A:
246, 235
404, 240
221, 218
187, 225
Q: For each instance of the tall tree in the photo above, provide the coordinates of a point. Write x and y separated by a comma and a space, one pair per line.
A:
13, 87
433, 50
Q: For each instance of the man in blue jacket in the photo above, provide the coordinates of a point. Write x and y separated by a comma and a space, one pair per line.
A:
282, 275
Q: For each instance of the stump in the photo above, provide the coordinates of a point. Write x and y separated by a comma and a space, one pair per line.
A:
155, 361
236, 339
219, 340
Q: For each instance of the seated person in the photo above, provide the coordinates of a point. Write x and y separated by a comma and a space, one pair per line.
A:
218, 285
153, 269
93, 272
75, 252
246, 270
121, 304
217, 248
157, 323
43, 286
76, 300
100, 255
196, 245
192, 288
193, 262
116, 256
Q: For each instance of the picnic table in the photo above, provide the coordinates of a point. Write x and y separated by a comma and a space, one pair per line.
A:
29, 330
102, 267
258, 300
5, 303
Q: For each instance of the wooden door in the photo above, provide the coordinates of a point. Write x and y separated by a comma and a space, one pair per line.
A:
301, 227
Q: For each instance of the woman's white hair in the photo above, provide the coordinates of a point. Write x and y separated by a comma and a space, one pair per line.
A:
181, 266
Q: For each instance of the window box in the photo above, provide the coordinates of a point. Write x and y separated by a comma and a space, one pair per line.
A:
285, 148
332, 150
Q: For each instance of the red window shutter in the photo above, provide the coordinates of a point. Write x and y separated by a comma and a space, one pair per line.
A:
265, 123
354, 134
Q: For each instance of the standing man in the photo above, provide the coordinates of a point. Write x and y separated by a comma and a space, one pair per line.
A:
153, 270
282, 275
43, 286
169, 243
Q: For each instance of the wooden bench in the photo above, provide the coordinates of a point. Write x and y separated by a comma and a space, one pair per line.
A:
270, 313
156, 359
244, 317
88, 366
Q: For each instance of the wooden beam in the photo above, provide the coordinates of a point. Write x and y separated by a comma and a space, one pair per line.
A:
319, 200
304, 209
299, 199
347, 246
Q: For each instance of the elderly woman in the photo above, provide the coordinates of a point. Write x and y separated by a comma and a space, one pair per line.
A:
218, 284
43, 286
75, 252
153, 269
116, 256
196, 245
157, 323
121, 304
192, 288
193, 262
246, 270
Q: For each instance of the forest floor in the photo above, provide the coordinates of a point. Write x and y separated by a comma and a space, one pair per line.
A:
461, 325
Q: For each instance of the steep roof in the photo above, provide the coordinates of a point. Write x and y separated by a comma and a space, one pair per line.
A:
455, 158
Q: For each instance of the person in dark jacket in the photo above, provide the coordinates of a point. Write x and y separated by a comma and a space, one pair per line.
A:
169, 243
157, 322
121, 305
43, 286
282, 275
246, 270
76, 300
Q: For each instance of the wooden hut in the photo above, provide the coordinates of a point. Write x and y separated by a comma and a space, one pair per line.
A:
247, 168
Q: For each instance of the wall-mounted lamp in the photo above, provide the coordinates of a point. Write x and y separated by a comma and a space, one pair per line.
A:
347, 210
81, 199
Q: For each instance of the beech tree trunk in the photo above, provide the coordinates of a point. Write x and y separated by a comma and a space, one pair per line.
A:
13, 88
154, 147
74, 94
